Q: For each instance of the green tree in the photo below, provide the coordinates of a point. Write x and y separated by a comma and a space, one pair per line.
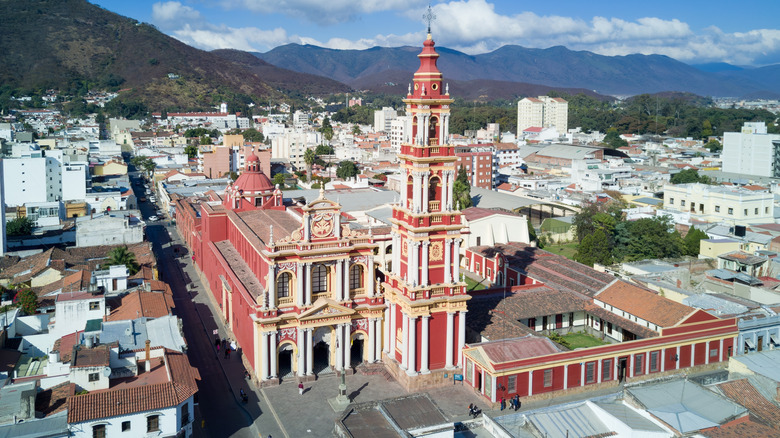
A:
309, 157
706, 129
532, 235
205, 139
279, 179
688, 176
347, 169
27, 300
612, 140
122, 256
324, 150
253, 135
21, 226
191, 151
461, 190
356, 130
714, 146
648, 238
326, 129
594, 248
692, 241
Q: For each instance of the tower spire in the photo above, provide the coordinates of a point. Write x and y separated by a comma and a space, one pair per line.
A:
429, 16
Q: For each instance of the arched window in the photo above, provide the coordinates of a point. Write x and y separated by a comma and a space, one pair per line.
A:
355, 278
283, 285
500, 278
319, 279
433, 189
432, 131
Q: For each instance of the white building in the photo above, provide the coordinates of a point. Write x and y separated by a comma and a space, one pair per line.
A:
32, 179
732, 205
493, 227
108, 230
595, 176
400, 131
752, 151
300, 119
72, 310
2, 205
383, 118
544, 112
291, 146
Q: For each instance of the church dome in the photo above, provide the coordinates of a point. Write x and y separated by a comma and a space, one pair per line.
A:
253, 180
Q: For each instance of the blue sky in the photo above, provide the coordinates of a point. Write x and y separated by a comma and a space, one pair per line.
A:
739, 32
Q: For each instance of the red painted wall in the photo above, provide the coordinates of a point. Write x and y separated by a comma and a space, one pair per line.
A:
669, 359
685, 356
575, 374
699, 353
438, 342
557, 380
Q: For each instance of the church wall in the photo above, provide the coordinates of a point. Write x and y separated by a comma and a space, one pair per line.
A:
438, 340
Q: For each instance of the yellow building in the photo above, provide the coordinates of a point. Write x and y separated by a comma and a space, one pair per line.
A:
712, 248
110, 168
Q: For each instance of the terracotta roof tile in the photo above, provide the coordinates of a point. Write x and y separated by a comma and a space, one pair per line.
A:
138, 304
643, 303
747, 429
742, 392
53, 400
97, 356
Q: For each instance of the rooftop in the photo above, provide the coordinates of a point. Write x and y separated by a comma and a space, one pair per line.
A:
643, 303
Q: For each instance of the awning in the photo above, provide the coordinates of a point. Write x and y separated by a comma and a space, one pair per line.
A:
750, 343
774, 339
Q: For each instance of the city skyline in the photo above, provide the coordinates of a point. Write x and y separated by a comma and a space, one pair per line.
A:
692, 32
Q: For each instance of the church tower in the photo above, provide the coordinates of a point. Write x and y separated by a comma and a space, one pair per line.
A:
425, 321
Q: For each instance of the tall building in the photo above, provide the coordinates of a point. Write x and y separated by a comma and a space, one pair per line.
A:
543, 112
2, 206
400, 132
752, 151
425, 320
479, 165
383, 117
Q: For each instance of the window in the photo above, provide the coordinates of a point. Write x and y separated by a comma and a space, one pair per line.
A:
547, 378
638, 363
94, 377
746, 212
755, 211
511, 384
94, 305
606, 369
185, 414
590, 372
653, 361
99, 431
731, 210
609, 328
355, 277
713, 353
125, 426
319, 279
682, 203
766, 210
571, 319
717, 209
671, 201
283, 285
152, 423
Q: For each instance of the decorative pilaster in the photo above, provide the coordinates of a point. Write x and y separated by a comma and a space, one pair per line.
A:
347, 345
301, 343
274, 353
339, 281
424, 349
308, 284
450, 328
309, 352
412, 348
271, 287
461, 335
424, 280
370, 276
426, 187
447, 266
405, 348
377, 344
339, 348
371, 335
264, 356
456, 261
387, 321
299, 290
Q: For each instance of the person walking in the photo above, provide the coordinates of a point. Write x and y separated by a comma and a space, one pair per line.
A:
503, 403
300, 388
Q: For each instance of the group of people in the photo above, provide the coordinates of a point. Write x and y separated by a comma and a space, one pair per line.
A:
474, 411
514, 403
225, 345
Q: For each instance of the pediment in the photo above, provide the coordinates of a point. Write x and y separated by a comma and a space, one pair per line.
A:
326, 307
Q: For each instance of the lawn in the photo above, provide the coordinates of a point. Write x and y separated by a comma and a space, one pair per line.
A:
473, 285
579, 340
565, 249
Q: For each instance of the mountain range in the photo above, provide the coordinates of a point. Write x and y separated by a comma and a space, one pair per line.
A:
552, 67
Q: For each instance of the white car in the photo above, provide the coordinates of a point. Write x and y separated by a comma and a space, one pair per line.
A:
153, 218
153, 199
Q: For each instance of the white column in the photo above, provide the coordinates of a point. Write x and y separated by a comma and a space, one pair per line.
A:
308, 284
461, 335
426, 185
339, 348
565, 376
447, 266
598, 371
445, 133
707, 352
450, 190
272, 286
424, 350
274, 353
405, 348
456, 261
345, 282
377, 344
386, 344
337, 284
301, 341
677, 362
663, 358
426, 120
370, 286
582, 374
722, 355
264, 355
371, 335
347, 345
299, 292
530, 383
397, 249
417, 185
412, 349
424, 260
631, 362
445, 176
309, 352
450, 328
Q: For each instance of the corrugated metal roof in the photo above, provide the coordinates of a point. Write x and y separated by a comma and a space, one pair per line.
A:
629, 416
575, 422
53, 426
763, 363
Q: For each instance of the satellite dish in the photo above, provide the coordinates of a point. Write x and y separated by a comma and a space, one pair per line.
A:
107, 371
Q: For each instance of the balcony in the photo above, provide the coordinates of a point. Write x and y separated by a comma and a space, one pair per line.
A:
434, 205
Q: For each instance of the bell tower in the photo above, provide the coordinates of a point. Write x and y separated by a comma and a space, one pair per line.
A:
425, 321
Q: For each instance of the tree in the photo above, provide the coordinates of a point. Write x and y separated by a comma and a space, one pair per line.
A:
594, 248
122, 256
347, 169
253, 135
714, 146
461, 190
532, 235
326, 129
191, 151
648, 238
205, 139
21, 226
692, 241
356, 130
324, 150
27, 300
613, 140
279, 179
688, 176
309, 157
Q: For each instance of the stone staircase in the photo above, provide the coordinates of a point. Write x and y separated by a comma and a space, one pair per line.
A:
374, 369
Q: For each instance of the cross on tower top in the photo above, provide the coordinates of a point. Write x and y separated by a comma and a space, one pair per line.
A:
429, 16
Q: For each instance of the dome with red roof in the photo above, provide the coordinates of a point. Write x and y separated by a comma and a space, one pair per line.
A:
253, 180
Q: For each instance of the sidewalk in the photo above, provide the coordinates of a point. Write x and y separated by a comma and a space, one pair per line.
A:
257, 409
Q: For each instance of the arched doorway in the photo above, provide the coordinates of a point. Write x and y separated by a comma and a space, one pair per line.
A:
285, 361
356, 349
321, 340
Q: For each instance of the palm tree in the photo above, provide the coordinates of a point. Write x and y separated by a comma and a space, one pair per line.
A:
122, 256
309, 157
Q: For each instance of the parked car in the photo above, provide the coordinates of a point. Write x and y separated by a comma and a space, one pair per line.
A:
153, 218
142, 199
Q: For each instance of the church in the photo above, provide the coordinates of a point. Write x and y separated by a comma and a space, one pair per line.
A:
298, 284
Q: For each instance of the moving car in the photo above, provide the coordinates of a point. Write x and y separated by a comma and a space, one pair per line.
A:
153, 218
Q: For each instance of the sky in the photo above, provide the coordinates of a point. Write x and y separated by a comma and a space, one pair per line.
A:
693, 31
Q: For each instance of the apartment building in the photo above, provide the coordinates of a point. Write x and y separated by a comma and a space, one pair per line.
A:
544, 112
752, 151
734, 205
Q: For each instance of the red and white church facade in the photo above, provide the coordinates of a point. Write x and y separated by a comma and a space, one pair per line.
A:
298, 286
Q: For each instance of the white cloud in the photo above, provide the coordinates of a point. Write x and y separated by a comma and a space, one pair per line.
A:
165, 13
321, 11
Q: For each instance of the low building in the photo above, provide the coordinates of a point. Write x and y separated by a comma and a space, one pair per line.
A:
734, 205
109, 229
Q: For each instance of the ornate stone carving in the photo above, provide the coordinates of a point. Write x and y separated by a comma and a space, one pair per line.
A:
437, 251
288, 333
322, 225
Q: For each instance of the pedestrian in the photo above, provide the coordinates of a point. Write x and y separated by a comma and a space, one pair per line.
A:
300, 388
224, 344
503, 403
233, 345
216, 341
517, 402
217, 348
227, 353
